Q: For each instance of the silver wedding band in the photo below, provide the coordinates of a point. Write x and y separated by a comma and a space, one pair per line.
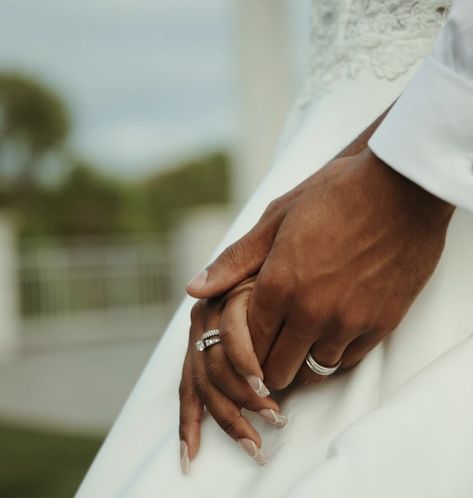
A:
319, 369
209, 338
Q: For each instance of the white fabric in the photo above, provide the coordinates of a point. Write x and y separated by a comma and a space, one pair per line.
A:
428, 135
397, 425
387, 36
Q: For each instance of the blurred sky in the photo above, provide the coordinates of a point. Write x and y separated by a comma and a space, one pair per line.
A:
147, 81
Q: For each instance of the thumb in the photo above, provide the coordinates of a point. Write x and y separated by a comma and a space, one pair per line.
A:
237, 262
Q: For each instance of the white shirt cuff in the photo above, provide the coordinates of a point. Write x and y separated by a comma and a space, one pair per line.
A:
428, 134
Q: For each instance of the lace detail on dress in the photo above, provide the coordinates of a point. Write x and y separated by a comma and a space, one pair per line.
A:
389, 36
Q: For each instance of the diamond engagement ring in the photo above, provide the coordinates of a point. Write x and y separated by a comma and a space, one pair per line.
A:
320, 369
209, 338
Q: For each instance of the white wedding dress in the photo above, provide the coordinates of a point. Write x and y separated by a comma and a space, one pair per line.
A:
398, 425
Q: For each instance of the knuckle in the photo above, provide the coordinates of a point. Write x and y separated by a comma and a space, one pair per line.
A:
214, 370
229, 423
235, 255
188, 396
275, 282
329, 351
238, 351
266, 281
337, 340
242, 361
304, 334
184, 391
228, 331
200, 387
350, 321
197, 310
273, 207
258, 328
309, 314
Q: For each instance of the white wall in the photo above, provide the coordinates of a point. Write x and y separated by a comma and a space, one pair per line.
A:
194, 242
265, 86
8, 290
273, 37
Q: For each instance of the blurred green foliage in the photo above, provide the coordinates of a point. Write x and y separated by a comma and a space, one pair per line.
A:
85, 201
33, 120
203, 181
40, 464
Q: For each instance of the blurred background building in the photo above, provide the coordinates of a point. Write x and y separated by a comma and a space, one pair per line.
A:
130, 134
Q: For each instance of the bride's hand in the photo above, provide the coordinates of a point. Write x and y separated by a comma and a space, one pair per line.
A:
224, 377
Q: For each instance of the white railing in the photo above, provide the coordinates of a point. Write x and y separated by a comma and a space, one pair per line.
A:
98, 290
59, 279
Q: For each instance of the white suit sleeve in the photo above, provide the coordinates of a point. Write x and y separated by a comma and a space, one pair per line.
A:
428, 134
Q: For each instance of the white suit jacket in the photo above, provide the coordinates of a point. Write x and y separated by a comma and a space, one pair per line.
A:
428, 134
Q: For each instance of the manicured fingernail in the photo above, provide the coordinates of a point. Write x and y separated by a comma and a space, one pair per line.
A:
199, 280
257, 454
257, 385
274, 417
185, 463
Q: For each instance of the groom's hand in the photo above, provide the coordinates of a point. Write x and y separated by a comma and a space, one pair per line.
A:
345, 254
246, 256
350, 257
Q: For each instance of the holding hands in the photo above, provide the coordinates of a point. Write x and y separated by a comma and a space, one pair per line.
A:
330, 269
224, 377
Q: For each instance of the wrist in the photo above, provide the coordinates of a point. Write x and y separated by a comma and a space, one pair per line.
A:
427, 210
361, 141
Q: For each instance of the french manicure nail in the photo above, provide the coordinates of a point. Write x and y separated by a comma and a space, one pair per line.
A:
257, 454
185, 463
257, 385
274, 417
199, 280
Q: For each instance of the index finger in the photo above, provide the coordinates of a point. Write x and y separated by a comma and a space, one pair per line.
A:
237, 344
190, 417
265, 317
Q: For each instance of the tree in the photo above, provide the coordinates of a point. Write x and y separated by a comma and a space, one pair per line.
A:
33, 121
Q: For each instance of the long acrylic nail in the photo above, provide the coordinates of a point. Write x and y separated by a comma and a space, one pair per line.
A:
199, 280
273, 417
185, 462
257, 385
257, 454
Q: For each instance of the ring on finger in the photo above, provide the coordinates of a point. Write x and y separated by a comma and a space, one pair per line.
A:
208, 338
319, 369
